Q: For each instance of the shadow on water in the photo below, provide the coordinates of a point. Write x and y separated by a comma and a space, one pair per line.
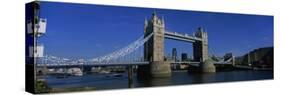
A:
202, 78
108, 81
183, 78
177, 78
153, 82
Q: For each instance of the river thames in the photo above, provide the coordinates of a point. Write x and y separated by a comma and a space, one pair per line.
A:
110, 81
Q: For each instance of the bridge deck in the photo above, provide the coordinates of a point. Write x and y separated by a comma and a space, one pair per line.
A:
127, 64
181, 37
97, 64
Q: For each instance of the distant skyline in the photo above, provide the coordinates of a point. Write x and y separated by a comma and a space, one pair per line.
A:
88, 31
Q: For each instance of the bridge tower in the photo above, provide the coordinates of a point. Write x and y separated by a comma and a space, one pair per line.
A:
200, 52
200, 48
154, 49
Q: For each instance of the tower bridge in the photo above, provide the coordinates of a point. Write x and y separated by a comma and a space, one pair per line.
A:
154, 48
148, 52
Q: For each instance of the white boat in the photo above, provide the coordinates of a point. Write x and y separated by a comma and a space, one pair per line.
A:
75, 72
104, 72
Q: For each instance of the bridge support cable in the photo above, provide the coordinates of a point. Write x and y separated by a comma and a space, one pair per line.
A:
220, 61
123, 51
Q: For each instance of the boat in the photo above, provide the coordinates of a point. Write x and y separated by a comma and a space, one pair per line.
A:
117, 75
104, 72
75, 72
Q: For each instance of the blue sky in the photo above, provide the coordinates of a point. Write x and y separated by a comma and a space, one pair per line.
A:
88, 31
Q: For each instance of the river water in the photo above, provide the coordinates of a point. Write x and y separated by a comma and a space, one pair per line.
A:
109, 81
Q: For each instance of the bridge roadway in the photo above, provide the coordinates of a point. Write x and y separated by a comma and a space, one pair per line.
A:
127, 64
97, 64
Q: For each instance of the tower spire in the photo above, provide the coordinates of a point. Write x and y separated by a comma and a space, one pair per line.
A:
154, 16
145, 23
154, 13
145, 20
163, 20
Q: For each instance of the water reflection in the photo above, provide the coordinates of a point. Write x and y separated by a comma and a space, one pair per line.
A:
101, 81
153, 82
202, 78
